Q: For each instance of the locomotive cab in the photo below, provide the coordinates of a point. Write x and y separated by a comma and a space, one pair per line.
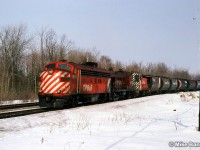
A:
54, 83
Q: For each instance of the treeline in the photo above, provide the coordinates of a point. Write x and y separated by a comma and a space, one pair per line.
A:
22, 57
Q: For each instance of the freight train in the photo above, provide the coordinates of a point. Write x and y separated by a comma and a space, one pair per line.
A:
65, 84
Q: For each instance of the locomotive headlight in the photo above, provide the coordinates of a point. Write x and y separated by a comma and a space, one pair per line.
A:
59, 91
50, 71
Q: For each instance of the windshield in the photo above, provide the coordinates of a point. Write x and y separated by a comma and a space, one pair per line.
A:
64, 67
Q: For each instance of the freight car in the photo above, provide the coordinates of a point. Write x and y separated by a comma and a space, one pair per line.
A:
198, 85
183, 85
192, 85
174, 85
65, 83
165, 84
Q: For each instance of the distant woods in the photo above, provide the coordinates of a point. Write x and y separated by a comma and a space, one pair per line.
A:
22, 57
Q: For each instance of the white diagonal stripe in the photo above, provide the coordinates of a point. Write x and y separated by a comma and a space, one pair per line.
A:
55, 76
67, 90
42, 73
53, 90
45, 74
64, 74
55, 82
46, 78
57, 86
64, 86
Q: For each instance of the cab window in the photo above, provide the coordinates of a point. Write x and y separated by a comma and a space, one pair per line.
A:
50, 66
64, 67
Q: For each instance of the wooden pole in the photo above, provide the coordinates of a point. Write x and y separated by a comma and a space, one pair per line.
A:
199, 111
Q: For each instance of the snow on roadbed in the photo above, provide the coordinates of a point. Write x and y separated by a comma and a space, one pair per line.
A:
141, 123
10, 102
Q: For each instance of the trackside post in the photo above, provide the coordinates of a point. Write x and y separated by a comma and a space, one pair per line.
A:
199, 112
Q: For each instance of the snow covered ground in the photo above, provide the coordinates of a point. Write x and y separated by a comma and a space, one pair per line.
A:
141, 123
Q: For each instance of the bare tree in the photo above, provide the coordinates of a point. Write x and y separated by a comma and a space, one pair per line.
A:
181, 73
196, 76
13, 43
118, 66
64, 47
148, 69
50, 45
42, 45
105, 62
161, 69
135, 67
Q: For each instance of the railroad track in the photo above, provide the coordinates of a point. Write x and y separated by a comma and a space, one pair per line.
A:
21, 113
3, 107
15, 110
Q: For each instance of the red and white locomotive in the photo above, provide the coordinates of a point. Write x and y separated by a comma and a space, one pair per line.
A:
64, 83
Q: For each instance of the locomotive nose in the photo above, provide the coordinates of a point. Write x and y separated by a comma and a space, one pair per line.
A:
54, 82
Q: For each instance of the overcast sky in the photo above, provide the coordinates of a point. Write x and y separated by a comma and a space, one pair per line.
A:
127, 30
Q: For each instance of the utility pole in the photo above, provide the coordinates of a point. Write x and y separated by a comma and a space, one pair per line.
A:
199, 112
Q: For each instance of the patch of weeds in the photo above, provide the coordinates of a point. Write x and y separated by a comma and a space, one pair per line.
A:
121, 117
42, 140
82, 122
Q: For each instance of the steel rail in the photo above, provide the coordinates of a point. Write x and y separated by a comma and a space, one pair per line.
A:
21, 113
13, 106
